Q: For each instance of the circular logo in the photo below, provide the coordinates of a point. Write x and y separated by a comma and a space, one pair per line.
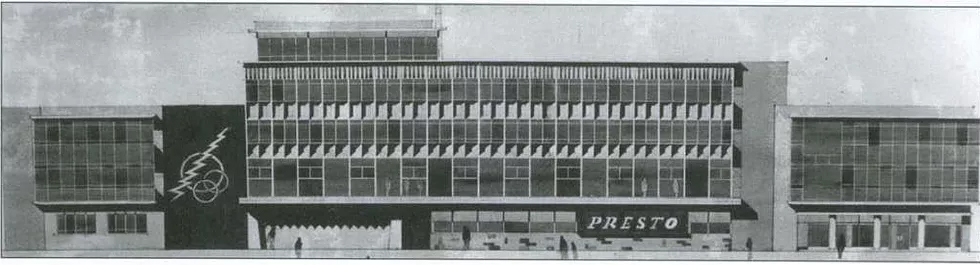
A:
204, 187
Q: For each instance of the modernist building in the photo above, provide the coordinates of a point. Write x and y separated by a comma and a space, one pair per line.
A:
359, 135
357, 125
95, 181
884, 178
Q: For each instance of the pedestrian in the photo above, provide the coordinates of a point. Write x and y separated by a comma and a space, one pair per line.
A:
574, 251
299, 247
841, 242
748, 246
466, 238
272, 238
563, 247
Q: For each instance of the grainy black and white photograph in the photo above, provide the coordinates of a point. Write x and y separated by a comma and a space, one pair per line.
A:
687, 131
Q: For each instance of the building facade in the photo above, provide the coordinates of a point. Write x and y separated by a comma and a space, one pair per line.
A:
358, 135
519, 154
883, 178
95, 181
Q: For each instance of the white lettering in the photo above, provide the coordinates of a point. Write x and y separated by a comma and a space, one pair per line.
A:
595, 220
641, 222
626, 223
671, 223
655, 220
610, 222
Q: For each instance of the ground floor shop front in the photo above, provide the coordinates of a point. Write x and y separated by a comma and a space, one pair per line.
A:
901, 228
492, 228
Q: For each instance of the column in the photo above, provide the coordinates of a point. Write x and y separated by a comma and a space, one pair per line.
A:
922, 232
877, 232
833, 232
395, 234
974, 235
953, 233
893, 244
849, 236
253, 232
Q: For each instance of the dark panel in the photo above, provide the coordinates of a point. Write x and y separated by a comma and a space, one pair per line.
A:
204, 176
697, 178
440, 173
491, 177
335, 177
594, 178
389, 172
543, 177
632, 224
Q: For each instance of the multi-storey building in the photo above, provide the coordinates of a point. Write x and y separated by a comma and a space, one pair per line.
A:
518, 153
884, 178
95, 181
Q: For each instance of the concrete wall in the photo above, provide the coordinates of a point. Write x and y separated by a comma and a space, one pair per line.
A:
763, 87
22, 226
102, 239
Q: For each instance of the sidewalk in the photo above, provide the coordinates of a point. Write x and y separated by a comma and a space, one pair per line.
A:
530, 255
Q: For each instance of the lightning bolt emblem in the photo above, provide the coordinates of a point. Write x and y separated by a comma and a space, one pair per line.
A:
200, 162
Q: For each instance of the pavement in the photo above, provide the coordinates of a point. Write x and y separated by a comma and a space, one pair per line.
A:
878, 256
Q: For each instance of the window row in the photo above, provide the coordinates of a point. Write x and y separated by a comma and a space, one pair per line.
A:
145, 194
490, 177
491, 111
524, 90
491, 131
81, 154
76, 223
834, 183
827, 133
127, 223
939, 155
347, 48
710, 222
93, 132
507, 222
94, 177
87, 223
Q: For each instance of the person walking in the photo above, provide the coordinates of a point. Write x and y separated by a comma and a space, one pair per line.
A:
299, 247
563, 247
748, 247
841, 242
574, 251
466, 238
272, 238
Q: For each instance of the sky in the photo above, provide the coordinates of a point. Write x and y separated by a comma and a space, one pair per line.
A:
59, 54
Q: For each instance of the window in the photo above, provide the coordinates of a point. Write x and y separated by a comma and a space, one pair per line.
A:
911, 175
620, 178
874, 134
517, 174
710, 222
569, 178
813, 231
465, 177
937, 236
414, 177
362, 172
310, 177
127, 223
76, 223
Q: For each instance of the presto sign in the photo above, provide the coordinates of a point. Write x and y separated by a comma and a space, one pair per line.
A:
633, 224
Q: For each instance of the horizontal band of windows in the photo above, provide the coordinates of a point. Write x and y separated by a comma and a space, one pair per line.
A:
327, 151
95, 194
